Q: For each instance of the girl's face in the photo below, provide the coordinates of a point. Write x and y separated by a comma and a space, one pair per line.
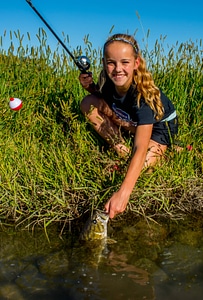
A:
120, 63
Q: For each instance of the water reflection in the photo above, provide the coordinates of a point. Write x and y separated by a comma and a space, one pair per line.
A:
149, 261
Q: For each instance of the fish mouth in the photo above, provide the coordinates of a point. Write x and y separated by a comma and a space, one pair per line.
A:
96, 226
102, 215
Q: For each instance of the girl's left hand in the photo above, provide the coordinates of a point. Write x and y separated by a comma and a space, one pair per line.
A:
116, 204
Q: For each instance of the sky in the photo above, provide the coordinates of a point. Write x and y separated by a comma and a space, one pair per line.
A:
176, 20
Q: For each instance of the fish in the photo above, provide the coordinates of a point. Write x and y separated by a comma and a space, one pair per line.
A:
95, 228
94, 238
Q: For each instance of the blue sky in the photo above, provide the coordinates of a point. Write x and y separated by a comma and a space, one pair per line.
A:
178, 20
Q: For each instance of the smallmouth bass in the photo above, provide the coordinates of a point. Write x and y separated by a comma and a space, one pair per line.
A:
96, 226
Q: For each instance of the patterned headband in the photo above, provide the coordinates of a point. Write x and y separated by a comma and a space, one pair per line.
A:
120, 39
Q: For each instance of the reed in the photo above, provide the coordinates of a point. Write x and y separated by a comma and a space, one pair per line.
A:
53, 166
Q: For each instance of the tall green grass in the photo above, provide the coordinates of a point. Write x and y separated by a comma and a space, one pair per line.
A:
53, 166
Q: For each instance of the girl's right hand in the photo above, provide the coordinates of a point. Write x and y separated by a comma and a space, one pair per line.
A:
86, 80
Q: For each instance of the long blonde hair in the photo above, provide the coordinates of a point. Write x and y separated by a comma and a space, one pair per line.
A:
143, 80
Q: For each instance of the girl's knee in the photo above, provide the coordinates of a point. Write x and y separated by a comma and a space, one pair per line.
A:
92, 101
155, 153
86, 104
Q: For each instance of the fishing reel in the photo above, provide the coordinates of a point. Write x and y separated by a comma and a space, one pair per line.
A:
83, 63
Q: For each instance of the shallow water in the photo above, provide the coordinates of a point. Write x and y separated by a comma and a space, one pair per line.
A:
148, 261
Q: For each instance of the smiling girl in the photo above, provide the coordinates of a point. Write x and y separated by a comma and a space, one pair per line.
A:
126, 97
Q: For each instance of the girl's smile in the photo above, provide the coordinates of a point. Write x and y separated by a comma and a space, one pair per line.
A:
120, 63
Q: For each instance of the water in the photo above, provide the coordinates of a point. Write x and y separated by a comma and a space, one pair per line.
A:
149, 261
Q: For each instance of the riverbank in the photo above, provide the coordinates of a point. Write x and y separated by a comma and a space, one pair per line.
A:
53, 167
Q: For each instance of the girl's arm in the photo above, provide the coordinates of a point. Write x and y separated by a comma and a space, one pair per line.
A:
118, 202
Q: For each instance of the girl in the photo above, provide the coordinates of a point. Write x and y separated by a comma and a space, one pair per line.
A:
126, 97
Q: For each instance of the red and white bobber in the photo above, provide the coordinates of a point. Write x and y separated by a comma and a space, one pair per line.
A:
15, 104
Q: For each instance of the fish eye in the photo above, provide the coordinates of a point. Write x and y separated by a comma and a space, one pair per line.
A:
94, 221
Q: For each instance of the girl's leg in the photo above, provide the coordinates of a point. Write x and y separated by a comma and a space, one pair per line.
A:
101, 117
154, 154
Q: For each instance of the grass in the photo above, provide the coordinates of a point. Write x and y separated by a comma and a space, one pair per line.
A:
53, 166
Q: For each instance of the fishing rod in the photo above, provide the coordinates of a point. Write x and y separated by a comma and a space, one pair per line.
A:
82, 62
